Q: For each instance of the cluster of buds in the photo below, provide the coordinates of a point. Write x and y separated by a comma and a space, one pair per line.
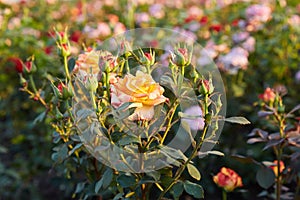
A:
181, 57
63, 43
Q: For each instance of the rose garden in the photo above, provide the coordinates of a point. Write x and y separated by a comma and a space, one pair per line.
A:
135, 99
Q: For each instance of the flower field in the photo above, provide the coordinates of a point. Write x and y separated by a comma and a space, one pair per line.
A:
156, 99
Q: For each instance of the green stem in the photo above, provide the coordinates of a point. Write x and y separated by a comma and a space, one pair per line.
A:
182, 167
224, 195
66, 67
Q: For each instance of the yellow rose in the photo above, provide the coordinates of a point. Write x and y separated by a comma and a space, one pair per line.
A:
142, 91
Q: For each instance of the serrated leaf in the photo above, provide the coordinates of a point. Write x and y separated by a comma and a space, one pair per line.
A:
193, 189
193, 171
98, 185
265, 177
237, 120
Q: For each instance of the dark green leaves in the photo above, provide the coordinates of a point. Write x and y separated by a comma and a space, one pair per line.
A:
265, 177
126, 181
193, 189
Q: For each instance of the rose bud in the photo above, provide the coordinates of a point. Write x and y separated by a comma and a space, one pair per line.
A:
181, 57
29, 65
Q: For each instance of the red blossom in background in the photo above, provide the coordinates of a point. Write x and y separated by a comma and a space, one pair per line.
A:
18, 64
228, 179
203, 20
216, 27
75, 37
268, 95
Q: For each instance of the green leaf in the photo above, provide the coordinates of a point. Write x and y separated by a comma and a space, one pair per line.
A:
217, 153
193, 189
265, 177
128, 140
79, 187
126, 181
118, 196
71, 63
237, 120
177, 190
193, 171
98, 185
107, 177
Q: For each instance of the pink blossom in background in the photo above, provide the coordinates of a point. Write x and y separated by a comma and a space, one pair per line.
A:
249, 44
157, 11
196, 120
195, 12
236, 59
239, 37
194, 26
258, 13
119, 28
142, 17
297, 77
294, 21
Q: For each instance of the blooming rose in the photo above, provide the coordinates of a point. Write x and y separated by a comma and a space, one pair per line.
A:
268, 95
142, 91
275, 168
92, 62
228, 179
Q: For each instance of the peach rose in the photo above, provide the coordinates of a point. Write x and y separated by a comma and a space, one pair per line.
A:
228, 179
142, 91
92, 62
